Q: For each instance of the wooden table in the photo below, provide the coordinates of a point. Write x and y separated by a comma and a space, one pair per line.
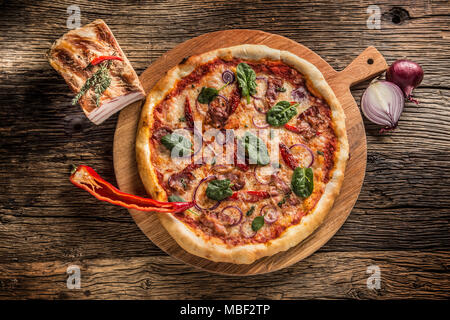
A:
400, 222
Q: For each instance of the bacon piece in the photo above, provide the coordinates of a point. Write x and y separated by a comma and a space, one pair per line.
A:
236, 178
70, 57
211, 221
180, 181
280, 184
272, 85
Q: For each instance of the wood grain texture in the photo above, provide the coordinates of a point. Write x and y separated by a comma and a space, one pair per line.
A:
125, 160
403, 208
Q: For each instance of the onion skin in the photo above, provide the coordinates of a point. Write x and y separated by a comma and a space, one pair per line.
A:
223, 218
382, 103
307, 149
407, 75
195, 194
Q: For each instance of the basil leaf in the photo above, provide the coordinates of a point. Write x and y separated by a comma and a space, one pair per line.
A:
320, 153
281, 113
257, 223
303, 182
255, 149
219, 189
246, 78
182, 145
207, 95
250, 211
175, 198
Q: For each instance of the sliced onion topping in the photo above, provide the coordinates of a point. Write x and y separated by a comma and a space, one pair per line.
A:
230, 215
194, 197
303, 154
260, 123
247, 230
228, 76
270, 213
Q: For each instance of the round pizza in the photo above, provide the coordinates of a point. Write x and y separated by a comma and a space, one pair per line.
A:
255, 138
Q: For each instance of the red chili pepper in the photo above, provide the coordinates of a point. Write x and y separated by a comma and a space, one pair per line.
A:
250, 196
288, 157
240, 163
86, 178
292, 128
103, 58
188, 114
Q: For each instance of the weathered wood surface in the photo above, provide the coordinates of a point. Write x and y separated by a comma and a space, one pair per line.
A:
400, 222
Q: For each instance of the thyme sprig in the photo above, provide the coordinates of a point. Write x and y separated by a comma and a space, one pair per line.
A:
100, 81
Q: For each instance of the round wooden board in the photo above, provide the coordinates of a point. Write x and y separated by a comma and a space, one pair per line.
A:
366, 65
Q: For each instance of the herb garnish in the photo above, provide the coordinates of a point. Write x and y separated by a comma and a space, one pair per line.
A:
219, 189
257, 223
256, 149
100, 81
250, 211
209, 94
281, 113
281, 89
246, 78
182, 145
303, 182
175, 198
320, 153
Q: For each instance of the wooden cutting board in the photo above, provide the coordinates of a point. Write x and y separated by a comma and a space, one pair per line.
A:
368, 64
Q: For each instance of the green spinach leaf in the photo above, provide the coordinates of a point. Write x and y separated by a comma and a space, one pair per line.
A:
250, 211
183, 147
257, 223
255, 149
207, 95
219, 189
303, 182
246, 78
281, 113
175, 198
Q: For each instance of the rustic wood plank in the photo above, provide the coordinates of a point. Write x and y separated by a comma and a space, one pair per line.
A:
342, 275
404, 202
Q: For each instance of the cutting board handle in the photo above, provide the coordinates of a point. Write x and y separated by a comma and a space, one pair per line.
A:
367, 65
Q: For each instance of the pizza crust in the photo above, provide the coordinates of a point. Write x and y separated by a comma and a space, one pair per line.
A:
192, 240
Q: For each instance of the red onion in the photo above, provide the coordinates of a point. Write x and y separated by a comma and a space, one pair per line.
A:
260, 126
258, 109
230, 215
246, 229
228, 76
194, 197
258, 178
299, 94
308, 149
270, 213
382, 103
407, 75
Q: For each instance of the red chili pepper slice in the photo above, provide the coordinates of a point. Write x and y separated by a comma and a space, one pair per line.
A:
288, 157
188, 114
292, 128
86, 178
250, 196
103, 58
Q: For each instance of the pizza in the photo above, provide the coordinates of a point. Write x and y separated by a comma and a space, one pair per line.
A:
256, 138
